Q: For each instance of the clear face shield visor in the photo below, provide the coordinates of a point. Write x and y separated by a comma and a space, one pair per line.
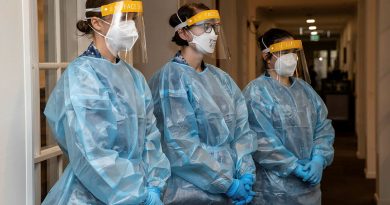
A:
207, 32
125, 37
289, 59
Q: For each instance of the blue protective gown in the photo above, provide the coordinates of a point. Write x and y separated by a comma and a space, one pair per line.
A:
207, 139
292, 126
102, 117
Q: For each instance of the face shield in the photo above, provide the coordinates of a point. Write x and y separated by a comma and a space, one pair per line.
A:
126, 36
289, 59
207, 34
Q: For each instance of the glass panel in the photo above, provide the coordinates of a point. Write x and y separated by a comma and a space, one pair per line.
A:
48, 78
46, 31
320, 67
49, 174
47, 49
321, 63
333, 57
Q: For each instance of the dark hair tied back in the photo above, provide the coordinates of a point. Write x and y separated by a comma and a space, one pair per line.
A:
185, 12
85, 26
274, 35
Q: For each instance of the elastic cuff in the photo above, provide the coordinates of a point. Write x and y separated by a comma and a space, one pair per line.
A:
320, 158
233, 188
289, 168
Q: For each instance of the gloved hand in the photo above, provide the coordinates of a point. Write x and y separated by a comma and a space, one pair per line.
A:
153, 197
237, 191
315, 168
248, 181
299, 172
239, 194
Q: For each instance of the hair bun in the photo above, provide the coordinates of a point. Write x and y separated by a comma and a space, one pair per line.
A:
84, 27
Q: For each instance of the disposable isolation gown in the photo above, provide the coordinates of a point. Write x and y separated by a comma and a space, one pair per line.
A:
102, 117
207, 139
292, 126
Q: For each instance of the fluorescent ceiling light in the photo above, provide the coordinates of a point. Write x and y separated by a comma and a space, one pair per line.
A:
310, 21
314, 33
312, 28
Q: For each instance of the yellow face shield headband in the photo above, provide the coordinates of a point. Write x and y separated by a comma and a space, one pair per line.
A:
284, 45
201, 16
119, 7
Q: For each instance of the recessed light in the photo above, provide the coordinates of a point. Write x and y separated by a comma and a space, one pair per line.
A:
310, 21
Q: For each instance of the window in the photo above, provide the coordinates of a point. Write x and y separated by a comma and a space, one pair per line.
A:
58, 43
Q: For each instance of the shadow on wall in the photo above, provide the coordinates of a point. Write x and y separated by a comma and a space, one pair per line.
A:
158, 35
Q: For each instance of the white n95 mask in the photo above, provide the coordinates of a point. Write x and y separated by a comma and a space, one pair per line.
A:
121, 37
286, 64
206, 42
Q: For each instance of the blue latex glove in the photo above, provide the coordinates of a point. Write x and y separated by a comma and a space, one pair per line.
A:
153, 197
300, 172
248, 181
237, 191
315, 168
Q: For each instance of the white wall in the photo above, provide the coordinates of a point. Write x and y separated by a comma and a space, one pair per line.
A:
229, 12
370, 80
366, 82
158, 35
347, 40
246, 42
383, 103
367, 77
360, 83
15, 104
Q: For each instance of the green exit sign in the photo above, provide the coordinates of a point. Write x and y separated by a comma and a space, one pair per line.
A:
314, 38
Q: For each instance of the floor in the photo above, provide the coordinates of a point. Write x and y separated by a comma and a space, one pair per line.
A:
344, 182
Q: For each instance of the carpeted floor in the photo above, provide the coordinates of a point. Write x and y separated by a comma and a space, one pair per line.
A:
344, 182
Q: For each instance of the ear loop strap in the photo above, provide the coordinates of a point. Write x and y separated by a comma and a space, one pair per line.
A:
182, 25
89, 18
126, 48
105, 37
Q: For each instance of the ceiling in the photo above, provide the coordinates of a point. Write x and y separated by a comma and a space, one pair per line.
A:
330, 15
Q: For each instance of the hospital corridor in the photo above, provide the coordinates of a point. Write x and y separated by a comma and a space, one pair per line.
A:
195, 102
